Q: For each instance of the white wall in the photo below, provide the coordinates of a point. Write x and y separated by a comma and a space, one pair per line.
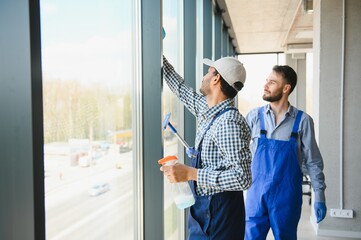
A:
343, 188
298, 96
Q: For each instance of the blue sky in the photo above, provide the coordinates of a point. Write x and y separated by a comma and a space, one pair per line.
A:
87, 40
76, 20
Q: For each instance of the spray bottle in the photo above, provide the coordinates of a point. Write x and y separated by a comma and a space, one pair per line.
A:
181, 192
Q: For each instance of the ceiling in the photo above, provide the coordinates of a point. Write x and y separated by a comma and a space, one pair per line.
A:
264, 26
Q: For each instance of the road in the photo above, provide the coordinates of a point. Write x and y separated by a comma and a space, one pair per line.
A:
72, 214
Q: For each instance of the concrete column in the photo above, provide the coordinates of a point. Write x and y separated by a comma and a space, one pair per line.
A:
298, 63
337, 61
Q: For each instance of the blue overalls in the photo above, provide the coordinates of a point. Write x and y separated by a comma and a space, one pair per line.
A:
219, 216
275, 197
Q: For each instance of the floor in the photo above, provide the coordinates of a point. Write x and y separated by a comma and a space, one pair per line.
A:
305, 229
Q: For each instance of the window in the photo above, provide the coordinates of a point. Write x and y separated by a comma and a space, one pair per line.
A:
173, 50
258, 67
87, 59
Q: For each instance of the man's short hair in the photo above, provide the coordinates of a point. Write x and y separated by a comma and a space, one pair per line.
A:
227, 90
288, 74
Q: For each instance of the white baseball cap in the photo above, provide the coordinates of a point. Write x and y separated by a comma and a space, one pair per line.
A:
231, 69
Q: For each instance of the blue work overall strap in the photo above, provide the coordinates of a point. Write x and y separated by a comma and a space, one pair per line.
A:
263, 130
296, 125
198, 162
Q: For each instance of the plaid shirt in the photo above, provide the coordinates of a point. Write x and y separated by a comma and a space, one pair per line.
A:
225, 154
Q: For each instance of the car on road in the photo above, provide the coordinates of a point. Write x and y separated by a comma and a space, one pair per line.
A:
123, 147
98, 189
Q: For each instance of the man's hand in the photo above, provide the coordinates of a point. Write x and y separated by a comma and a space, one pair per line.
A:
179, 172
320, 211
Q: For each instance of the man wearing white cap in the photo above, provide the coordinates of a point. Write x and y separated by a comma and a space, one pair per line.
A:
221, 170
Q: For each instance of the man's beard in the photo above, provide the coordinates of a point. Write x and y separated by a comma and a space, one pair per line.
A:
273, 98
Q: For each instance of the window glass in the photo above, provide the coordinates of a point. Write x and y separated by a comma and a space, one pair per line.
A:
199, 49
173, 50
88, 72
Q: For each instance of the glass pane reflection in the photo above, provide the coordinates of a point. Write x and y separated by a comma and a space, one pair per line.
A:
87, 95
172, 49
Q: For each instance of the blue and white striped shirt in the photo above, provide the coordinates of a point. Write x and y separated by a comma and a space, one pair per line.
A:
226, 157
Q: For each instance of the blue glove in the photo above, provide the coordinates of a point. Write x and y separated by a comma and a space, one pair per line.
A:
320, 211
191, 152
163, 33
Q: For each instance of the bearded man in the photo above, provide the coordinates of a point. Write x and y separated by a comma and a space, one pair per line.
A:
283, 141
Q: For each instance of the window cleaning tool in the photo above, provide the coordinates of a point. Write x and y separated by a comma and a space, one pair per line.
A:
191, 152
173, 130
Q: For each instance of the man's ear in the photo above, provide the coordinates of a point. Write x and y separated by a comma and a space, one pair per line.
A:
217, 78
287, 88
